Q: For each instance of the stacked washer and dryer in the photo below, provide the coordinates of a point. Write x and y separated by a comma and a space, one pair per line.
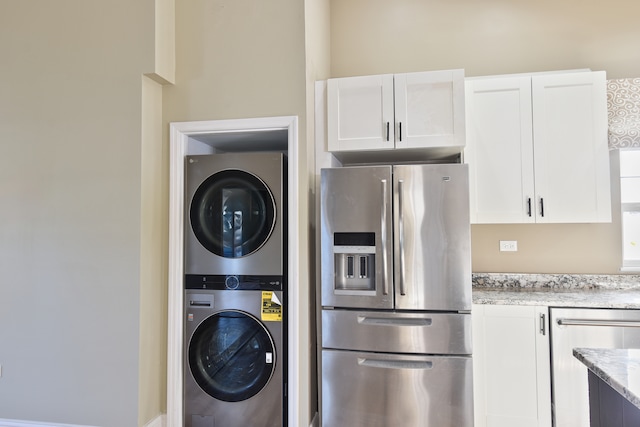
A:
235, 290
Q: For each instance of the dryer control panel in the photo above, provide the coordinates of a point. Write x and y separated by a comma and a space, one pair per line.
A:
232, 281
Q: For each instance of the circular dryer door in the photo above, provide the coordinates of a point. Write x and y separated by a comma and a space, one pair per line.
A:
231, 356
232, 213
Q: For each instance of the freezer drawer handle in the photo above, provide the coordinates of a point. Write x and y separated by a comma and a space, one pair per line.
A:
395, 364
383, 225
587, 322
388, 321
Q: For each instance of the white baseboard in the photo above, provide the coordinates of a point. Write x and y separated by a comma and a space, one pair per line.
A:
159, 421
23, 423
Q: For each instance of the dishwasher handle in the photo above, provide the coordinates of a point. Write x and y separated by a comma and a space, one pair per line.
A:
594, 322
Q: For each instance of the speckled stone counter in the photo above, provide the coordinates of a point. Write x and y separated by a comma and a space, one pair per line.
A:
557, 290
618, 368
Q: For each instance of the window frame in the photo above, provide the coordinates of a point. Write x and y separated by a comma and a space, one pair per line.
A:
633, 206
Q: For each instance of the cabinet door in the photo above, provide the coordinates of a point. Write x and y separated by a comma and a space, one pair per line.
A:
429, 109
571, 152
360, 113
512, 379
499, 150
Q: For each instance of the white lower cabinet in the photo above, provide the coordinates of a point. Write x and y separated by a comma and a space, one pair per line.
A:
511, 363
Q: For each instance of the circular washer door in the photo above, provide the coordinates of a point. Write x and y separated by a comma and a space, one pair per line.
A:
232, 213
231, 356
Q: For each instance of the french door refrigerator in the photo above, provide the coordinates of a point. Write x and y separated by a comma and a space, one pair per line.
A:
396, 296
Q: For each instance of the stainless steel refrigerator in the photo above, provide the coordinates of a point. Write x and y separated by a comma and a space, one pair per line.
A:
396, 296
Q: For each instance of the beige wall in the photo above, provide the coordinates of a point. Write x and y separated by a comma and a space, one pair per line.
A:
154, 197
484, 37
78, 189
238, 59
499, 37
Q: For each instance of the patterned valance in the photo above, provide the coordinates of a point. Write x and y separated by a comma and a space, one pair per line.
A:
623, 104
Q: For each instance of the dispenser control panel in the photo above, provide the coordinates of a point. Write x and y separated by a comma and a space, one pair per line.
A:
354, 262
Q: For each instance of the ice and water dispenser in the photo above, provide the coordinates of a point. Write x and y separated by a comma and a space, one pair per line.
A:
354, 256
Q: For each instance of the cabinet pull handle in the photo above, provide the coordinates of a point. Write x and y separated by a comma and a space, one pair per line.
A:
387, 131
543, 324
529, 206
541, 206
400, 130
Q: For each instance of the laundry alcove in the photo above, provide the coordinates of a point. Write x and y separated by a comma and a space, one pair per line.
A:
218, 136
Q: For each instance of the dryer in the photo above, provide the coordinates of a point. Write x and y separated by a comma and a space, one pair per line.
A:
235, 220
234, 359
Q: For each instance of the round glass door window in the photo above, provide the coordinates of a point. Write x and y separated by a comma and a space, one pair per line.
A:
232, 213
231, 356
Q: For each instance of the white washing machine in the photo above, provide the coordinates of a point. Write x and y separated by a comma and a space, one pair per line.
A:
235, 361
235, 220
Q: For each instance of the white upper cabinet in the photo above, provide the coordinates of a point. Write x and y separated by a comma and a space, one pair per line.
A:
537, 148
429, 109
396, 111
360, 113
499, 149
571, 153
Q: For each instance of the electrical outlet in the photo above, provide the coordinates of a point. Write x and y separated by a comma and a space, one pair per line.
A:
508, 245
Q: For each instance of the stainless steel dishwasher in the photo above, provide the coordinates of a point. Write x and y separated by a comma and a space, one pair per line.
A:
582, 327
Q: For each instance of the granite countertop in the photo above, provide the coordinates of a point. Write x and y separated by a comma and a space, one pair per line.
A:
557, 290
617, 367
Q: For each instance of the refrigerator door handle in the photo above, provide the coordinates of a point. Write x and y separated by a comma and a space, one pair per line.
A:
403, 291
383, 237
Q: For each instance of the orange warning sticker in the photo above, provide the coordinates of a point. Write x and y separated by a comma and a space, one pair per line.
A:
271, 307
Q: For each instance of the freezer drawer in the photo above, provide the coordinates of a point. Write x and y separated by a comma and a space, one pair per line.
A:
381, 390
393, 332
571, 328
